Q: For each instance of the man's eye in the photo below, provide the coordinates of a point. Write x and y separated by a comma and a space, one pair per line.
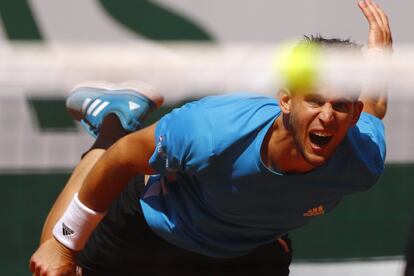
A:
342, 106
315, 101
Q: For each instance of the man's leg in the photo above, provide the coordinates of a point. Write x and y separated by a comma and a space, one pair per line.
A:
101, 121
409, 255
111, 131
72, 186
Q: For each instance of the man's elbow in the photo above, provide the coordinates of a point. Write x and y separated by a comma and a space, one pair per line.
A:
379, 110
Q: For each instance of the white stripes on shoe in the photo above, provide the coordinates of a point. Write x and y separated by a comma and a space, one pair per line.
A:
96, 107
93, 106
86, 103
99, 108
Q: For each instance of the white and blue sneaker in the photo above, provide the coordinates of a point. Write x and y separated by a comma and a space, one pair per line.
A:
90, 102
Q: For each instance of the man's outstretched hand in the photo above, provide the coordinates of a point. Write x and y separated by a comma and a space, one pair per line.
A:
374, 91
53, 259
379, 28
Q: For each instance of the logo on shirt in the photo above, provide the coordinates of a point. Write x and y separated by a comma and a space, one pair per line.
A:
317, 211
160, 147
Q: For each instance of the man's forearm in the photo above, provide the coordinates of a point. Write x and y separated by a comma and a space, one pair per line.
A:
72, 186
374, 91
375, 100
105, 181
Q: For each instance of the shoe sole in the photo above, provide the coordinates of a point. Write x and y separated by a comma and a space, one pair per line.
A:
106, 88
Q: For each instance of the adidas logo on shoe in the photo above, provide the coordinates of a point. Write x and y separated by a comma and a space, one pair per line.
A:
133, 106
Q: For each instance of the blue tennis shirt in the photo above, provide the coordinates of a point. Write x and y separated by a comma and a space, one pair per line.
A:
224, 202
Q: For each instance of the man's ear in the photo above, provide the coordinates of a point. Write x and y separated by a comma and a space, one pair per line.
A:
285, 100
358, 106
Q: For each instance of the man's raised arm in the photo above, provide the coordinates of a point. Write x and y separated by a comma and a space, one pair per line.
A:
379, 46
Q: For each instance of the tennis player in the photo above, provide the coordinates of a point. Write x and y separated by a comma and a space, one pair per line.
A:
229, 175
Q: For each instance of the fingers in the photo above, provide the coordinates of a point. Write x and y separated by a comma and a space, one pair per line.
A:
385, 22
36, 268
363, 5
379, 29
46, 263
383, 16
374, 11
371, 13
32, 265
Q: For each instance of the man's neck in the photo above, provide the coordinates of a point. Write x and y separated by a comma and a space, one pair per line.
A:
280, 152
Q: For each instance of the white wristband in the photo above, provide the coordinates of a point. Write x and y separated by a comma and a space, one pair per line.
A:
76, 224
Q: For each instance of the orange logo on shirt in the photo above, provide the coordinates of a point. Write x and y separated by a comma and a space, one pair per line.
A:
317, 211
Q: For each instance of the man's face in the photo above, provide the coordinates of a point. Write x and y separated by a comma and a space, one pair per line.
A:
319, 121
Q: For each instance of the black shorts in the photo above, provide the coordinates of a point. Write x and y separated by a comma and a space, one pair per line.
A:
409, 255
123, 244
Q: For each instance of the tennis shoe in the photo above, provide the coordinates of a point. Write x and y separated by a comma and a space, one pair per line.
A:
90, 102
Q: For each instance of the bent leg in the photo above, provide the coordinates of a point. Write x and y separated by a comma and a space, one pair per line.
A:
111, 131
72, 186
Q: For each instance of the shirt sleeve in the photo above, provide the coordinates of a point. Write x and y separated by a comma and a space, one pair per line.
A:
183, 141
368, 140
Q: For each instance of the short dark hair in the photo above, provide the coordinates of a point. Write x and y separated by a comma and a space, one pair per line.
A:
308, 49
329, 42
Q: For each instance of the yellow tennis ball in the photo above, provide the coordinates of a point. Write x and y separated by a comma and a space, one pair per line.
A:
299, 66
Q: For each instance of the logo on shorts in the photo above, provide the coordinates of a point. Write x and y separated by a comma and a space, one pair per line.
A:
317, 211
66, 231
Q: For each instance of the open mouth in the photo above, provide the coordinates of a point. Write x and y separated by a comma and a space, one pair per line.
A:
320, 139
